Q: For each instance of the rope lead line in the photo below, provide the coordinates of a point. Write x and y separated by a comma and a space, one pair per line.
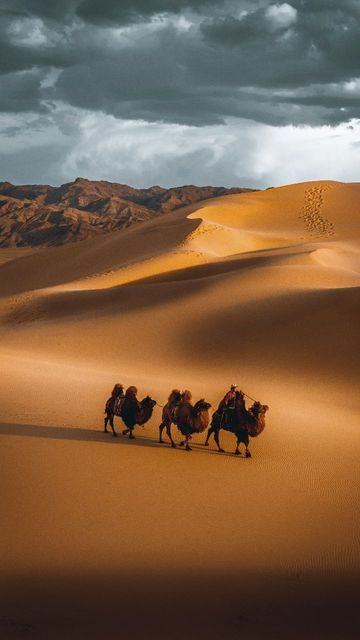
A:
250, 398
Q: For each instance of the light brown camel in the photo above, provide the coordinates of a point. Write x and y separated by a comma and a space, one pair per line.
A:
191, 419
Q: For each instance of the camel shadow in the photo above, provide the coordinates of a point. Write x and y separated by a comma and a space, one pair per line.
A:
93, 435
71, 433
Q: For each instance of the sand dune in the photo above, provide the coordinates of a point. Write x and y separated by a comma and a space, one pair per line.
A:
261, 289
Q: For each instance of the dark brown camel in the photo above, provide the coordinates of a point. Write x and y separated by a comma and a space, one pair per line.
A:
240, 421
191, 419
168, 415
134, 412
113, 407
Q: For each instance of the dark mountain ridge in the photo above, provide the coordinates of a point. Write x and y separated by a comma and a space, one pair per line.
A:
42, 215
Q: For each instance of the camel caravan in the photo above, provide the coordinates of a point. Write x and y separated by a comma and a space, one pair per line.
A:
231, 415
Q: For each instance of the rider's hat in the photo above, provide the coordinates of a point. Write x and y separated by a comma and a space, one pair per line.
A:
233, 386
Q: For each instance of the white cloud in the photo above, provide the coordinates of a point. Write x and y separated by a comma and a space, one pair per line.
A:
298, 154
282, 15
144, 153
31, 32
73, 142
352, 87
238, 152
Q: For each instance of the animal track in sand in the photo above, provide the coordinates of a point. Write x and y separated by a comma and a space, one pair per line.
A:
187, 252
202, 230
316, 224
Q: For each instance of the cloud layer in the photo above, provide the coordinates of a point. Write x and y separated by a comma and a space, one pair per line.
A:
205, 67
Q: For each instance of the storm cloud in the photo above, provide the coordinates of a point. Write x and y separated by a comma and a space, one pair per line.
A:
196, 64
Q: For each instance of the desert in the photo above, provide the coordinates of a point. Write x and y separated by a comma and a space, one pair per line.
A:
260, 289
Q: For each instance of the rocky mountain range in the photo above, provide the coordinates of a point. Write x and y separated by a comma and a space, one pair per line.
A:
41, 215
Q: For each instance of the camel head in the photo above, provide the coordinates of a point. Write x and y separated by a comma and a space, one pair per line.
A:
200, 406
148, 402
131, 391
258, 408
186, 396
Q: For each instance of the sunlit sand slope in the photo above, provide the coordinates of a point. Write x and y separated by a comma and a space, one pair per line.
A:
259, 289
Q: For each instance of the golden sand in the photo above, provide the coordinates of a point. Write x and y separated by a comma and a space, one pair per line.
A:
259, 289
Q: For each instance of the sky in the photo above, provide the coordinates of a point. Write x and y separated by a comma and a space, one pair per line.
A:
248, 93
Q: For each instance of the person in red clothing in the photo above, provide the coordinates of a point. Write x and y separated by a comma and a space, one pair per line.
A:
228, 401
227, 404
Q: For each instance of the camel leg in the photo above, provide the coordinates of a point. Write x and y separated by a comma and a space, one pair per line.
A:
217, 440
112, 415
125, 432
131, 435
161, 429
246, 443
106, 420
237, 450
187, 446
210, 431
181, 444
168, 433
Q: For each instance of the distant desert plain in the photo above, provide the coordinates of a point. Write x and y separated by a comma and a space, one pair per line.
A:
105, 537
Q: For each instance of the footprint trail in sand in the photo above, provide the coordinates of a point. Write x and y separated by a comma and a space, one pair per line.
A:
316, 224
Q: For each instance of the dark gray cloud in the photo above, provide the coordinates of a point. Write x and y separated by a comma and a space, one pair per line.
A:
196, 71
111, 11
126, 11
47, 9
188, 62
21, 91
177, 74
301, 44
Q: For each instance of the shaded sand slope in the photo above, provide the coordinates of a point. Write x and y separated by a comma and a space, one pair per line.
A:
68, 263
260, 289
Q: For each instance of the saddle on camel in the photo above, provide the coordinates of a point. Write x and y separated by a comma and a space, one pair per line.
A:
113, 407
128, 408
243, 423
189, 418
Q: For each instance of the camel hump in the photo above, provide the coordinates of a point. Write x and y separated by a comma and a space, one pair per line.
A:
174, 396
186, 396
132, 391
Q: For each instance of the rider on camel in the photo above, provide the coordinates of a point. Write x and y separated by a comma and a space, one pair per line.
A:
227, 404
114, 402
130, 399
